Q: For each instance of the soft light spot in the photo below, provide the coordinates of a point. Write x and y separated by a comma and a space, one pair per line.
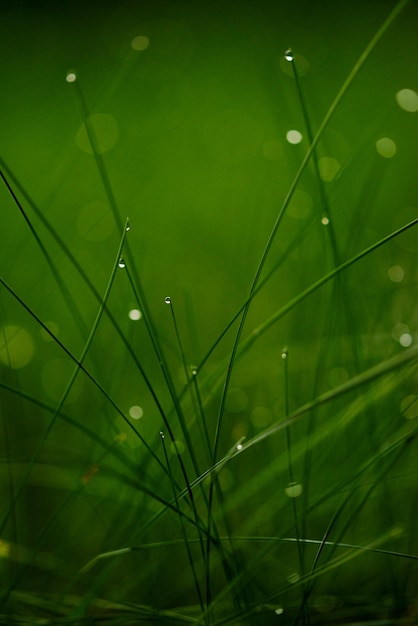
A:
407, 100
53, 327
95, 221
136, 412
273, 150
293, 578
135, 314
405, 340
386, 147
239, 447
325, 604
279, 610
105, 133
409, 407
71, 77
300, 205
294, 136
4, 549
328, 168
177, 447
294, 490
140, 43
261, 416
398, 330
16, 347
396, 273
237, 400
325, 220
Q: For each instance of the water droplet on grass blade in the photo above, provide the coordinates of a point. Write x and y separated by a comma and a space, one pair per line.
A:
289, 56
294, 490
285, 353
121, 263
167, 300
71, 77
128, 226
325, 221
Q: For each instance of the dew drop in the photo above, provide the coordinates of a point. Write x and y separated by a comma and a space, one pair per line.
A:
71, 77
128, 226
325, 220
121, 263
288, 55
194, 370
239, 447
294, 490
279, 610
285, 354
162, 434
167, 300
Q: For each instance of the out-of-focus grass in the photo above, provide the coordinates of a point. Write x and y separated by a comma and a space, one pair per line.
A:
208, 412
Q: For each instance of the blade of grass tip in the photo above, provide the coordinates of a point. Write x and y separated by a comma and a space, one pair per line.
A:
257, 332
79, 366
325, 207
356, 69
183, 529
61, 283
260, 330
282, 257
70, 383
137, 291
408, 357
98, 158
80, 270
105, 179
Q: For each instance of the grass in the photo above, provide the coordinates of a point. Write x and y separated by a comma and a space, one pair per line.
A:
209, 409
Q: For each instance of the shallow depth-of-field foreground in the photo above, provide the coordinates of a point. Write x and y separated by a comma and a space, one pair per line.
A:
209, 313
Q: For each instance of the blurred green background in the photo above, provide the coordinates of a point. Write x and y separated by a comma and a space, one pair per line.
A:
194, 111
